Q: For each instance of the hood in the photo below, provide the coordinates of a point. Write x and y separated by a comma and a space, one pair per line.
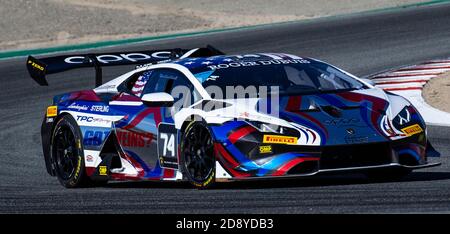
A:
337, 118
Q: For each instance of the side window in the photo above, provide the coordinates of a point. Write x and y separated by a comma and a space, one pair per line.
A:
175, 83
140, 83
159, 82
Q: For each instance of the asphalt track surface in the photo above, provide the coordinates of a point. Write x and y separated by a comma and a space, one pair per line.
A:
362, 44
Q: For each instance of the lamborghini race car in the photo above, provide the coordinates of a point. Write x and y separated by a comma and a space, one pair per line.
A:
202, 116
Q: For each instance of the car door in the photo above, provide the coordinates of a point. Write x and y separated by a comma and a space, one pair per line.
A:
147, 134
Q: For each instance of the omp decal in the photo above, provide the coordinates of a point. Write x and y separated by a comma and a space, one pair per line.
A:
412, 130
265, 149
275, 139
52, 111
103, 170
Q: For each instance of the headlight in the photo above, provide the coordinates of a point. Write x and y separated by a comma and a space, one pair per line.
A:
409, 121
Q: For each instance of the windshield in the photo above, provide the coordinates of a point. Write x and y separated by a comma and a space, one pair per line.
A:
292, 78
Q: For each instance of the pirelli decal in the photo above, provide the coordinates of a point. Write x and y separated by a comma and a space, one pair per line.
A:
275, 139
412, 130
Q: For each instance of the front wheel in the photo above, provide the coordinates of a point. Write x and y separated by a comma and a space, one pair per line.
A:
68, 154
197, 155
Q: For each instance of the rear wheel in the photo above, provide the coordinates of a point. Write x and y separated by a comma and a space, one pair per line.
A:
68, 153
197, 155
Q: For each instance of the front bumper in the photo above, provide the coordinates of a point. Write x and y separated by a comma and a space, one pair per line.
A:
340, 170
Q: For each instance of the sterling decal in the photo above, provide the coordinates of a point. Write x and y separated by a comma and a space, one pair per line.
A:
100, 108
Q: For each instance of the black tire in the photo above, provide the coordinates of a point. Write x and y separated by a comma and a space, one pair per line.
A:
387, 174
67, 152
197, 155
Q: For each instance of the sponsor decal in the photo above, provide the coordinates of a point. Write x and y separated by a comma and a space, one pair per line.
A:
275, 139
342, 122
94, 138
129, 57
100, 108
75, 106
77, 172
255, 63
103, 170
404, 117
89, 158
52, 111
356, 139
412, 130
208, 181
90, 119
133, 139
35, 65
265, 149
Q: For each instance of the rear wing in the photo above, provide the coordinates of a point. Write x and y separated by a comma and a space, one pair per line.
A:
39, 68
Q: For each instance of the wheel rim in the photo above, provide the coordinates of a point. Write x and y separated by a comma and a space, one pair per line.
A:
66, 153
198, 153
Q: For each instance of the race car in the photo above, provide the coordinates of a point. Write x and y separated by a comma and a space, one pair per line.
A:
201, 116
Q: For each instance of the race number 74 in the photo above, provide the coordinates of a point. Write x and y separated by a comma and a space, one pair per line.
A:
168, 144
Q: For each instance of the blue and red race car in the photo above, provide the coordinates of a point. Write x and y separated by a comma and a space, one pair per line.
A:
203, 116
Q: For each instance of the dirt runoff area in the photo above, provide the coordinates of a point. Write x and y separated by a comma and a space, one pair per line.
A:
44, 23
437, 92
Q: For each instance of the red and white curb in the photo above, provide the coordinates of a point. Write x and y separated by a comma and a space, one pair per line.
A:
409, 82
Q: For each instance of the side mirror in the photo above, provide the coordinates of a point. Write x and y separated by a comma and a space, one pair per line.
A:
158, 99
